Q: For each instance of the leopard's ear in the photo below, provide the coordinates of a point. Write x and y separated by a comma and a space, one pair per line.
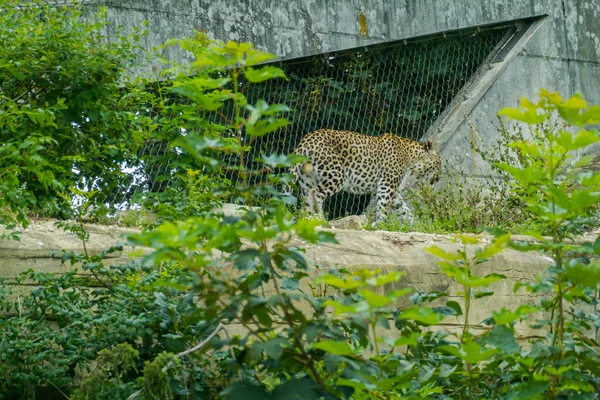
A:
428, 145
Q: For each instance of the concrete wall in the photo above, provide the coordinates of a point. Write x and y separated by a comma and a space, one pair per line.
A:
563, 55
357, 249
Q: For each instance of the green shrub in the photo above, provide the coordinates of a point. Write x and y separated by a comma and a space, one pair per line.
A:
463, 204
460, 204
160, 326
346, 355
63, 116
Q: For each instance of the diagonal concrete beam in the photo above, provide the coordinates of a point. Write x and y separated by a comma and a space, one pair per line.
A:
471, 93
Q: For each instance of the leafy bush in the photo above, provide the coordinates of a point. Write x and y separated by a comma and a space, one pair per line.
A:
76, 125
353, 353
63, 117
162, 325
462, 204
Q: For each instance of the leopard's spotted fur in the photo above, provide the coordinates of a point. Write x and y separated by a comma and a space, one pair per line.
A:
361, 164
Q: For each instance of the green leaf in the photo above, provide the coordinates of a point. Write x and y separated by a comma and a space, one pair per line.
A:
528, 113
467, 239
589, 180
446, 370
384, 279
424, 315
577, 386
444, 311
584, 138
373, 299
552, 98
483, 293
326, 237
529, 175
454, 351
591, 116
263, 73
531, 389
597, 245
337, 282
297, 389
244, 390
305, 229
397, 293
290, 283
210, 60
203, 83
426, 373
194, 143
570, 109
499, 244
351, 383
584, 275
486, 280
470, 352
281, 160
464, 277
383, 321
333, 347
582, 199
263, 127
262, 108
558, 371
332, 362
272, 348
503, 338
254, 57
436, 251
245, 259
210, 101
455, 306
411, 339
505, 317
474, 353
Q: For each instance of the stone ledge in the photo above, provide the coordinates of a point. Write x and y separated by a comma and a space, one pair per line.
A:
386, 251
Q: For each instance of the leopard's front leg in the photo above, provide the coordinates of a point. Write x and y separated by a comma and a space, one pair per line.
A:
400, 205
384, 198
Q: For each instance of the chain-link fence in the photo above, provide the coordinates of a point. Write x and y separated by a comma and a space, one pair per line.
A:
400, 87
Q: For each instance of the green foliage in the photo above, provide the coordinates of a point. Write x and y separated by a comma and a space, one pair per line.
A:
106, 381
560, 193
64, 119
459, 204
162, 325
462, 204
155, 381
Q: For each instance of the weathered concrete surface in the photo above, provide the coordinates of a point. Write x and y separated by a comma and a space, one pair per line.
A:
406, 252
295, 29
38, 242
380, 250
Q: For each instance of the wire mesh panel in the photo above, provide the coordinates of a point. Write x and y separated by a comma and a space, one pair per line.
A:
400, 87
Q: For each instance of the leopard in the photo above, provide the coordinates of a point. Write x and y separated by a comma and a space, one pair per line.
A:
383, 166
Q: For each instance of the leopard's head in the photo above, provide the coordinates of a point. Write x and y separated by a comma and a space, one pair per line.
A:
427, 166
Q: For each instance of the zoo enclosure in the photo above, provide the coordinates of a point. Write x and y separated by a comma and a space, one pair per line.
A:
401, 87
